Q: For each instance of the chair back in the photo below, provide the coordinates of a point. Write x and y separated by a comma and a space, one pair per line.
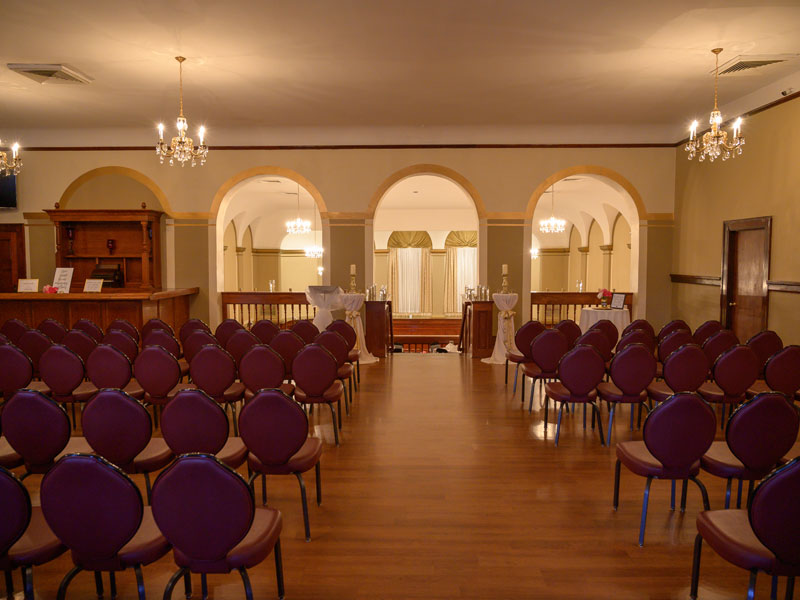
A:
774, 514
762, 430
193, 422
226, 329
287, 344
335, 344
126, 326
17, 370
735, 371
108, 367
525, 335
581, 369
261, 368
686, 369
79, 342
306, 330
273, 427
92, 507
783, 371
33, 343
222, 507
672, 342
163, 338
62, 370
547, 349
53, 329
570, 329
765, 344
117, 426
674, 325
706, 330
90, 328
679, 431
37, 428
597, 340
633, 368
240, 343
265, 330
637, 336
346, 330
122, 341
157, 371
213, 370
639, 324
155, 323
4, 339
191, 326
718, 343
17, 510
196, 340
13, 328
314, 370
609, 329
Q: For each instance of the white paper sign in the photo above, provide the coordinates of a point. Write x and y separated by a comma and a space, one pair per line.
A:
63, 279
28, 285
93, 285
618, 301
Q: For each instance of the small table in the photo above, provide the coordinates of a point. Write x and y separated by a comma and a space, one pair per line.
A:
618, 316
505, 328
352, 306
326, 298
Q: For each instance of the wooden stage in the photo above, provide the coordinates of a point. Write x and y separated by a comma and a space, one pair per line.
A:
445, 488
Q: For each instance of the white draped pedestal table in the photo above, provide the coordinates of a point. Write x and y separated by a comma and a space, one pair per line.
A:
505, 328
352, 306
618, 316
326, 298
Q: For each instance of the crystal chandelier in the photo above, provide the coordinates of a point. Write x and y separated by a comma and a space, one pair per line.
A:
181, 148
534, 253
13, 166
714, 143
298, 226
315, 251
552, 225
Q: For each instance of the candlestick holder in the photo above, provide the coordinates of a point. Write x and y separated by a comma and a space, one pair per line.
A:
504, 286
352, 289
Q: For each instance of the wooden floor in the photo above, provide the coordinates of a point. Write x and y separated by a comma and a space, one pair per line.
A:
444, 487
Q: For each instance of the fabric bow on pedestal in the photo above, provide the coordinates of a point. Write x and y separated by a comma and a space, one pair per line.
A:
508, 325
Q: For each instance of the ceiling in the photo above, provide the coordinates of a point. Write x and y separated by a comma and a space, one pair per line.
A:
410, 71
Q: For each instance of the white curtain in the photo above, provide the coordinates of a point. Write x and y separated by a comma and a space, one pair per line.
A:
466, 269
409, 279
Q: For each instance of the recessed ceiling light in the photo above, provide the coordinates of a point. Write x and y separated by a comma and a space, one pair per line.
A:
50, 73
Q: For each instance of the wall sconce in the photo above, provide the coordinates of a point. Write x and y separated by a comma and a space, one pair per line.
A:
110, 244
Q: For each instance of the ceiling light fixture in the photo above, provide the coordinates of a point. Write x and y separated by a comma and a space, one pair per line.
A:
714, 143
298, 226
315, 251
534, 253
552, 225
13, 166
181, 148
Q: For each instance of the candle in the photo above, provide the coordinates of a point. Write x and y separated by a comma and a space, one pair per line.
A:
352, 269
14, 150
737, 126
202, 133
161, 131
505, 269
693, 130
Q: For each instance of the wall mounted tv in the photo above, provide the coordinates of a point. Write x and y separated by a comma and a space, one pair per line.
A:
8, 191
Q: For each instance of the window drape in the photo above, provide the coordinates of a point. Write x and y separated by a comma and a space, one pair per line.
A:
409, 280
461, 268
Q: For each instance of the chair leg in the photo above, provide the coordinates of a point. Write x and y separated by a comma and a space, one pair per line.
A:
706, 505
248, 589
739, 495
522, 395
698, 547
728, 493
773, 591
644, 510
789, 587
62, 587
147, 485
616, 484
632, 411
137, 569
751, 589
263, 489
9, 583
203, 586
346, 403
318, 472
112, 584
350, 385
506, 378
516, 374
339, 408
684, 489
611, 421
596, 413
558, 425
173, 580
98, 583
233, 418
530, 402
74, 421
358, 371
546, 407
305, 505
27, 582
335, 428
672, 495
187, 584
279, 568
750, 492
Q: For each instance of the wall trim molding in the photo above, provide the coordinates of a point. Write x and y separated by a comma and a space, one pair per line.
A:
784, 286
695, 279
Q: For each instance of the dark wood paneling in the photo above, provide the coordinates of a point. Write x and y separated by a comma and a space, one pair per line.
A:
481, 340
695, 279
12, 256
377, 327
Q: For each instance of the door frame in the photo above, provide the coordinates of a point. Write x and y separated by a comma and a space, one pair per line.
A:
729, 228
19, 267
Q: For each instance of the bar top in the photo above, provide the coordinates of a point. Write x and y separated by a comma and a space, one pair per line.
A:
122, 294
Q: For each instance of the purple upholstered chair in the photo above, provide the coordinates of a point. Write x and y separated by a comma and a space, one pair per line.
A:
546, 350
194, 422
34, 343
639, 324
306, 330
123, 342
163, 338
667, 345
637, 336
118, 428
761, 538
155, 323
126, 326
718, 343
275, 430
522, 340
609, 329
53, 329
672, 326
685, 370
765, 344
9, 458
782, 373
734, 372
96, 511
760, 432
223, 531
263, 368
676, 434
37, 428
108, 367
13, 328
158, 372
570, 329
79, 342
90, 328
705, 331
226, 329
4, 340
265, 330
599, 341
25, 539
315, 374
287, 344
196, 340
579, 372
239, 343
632, 369
346, 330
337, 345
63, 372
191, 326
214, 371
16, 372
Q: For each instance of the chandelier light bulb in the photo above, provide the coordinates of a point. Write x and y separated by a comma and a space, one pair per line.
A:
181, 147
552, 225
13, 166
314, 251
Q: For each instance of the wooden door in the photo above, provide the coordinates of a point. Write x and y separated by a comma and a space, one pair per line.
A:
12, 256
745, 272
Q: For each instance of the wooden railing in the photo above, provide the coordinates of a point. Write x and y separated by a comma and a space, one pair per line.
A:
551, 307
282, 308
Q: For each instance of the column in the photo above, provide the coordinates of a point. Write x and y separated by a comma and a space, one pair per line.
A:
583, 252
505, 244
607, 253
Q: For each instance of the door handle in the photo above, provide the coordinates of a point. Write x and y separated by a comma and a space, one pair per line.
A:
731, 303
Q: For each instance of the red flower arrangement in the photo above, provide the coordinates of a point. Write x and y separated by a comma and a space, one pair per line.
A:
604, 294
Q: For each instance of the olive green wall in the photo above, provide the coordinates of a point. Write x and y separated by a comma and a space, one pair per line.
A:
346, 248
191, 264
266, 266
42, 243
505, 245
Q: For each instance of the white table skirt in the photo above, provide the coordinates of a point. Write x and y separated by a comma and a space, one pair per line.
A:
618, 316
352, 305
325, 303
505, 328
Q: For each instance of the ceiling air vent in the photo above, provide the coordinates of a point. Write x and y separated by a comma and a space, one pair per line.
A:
743, 64
50, 73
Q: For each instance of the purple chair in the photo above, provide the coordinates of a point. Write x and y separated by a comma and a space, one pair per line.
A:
96, 511
63, 372
637, 336
676, 434
90, 328
158, 372
25, 539
79, 342
579, 372
118, 428
122, 341
685, 370
196, 340
570, 329
226, 329
108, 367
9, 458
155, 323
782, 373
287, 344
640, 325
4, 339
671, 327
631, 371
765, 344
34, 343
718, 343
599, 341
17, 370
52, 329
609, 329
262, 368
37, 428
13, 328
193, 422
346, 330
760, 432
240, 343
306, 330
667, 345
191, 326
337, 345
546, 349
705, 331
265, 330
761, 538
214, 371
734, 372
275, 430
163, 338
223, 531
315, 375
522, 340
126, 326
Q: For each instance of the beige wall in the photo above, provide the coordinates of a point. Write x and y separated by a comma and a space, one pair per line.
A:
192, 264
380, 269
266, 267
554, 269
575, 262
594, 262
113, 191
297, 273
621, 256
231, 267
437, 282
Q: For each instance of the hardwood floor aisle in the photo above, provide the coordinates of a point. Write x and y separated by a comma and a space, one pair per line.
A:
444, 487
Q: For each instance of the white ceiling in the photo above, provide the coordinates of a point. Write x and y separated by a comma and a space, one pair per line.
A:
391, 71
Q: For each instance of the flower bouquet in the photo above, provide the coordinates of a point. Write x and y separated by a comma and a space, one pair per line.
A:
605, 297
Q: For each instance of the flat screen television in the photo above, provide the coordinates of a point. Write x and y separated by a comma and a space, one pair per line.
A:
8, 191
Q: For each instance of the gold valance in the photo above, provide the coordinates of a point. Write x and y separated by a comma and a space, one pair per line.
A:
409, 239
461, 239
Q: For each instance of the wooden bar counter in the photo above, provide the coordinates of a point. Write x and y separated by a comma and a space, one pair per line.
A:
172, 306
